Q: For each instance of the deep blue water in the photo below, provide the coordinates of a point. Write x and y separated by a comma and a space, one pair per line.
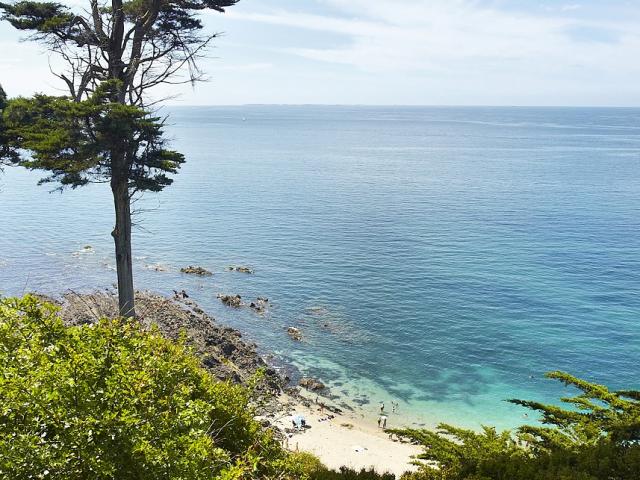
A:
441, 257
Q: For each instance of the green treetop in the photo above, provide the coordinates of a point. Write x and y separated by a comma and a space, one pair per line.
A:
597, 438
115, 53
7, 154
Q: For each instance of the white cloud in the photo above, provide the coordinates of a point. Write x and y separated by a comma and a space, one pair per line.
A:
420, 35
570, 7
401, 51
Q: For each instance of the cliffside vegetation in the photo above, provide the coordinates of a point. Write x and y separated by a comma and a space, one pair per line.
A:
111, 400
117, 400
596, 438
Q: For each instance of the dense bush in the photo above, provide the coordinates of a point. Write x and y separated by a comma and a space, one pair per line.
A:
307, 466
598, 437
111, 401
349, 474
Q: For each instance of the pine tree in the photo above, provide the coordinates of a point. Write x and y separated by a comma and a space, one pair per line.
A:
7, 154
598, 437
103, 131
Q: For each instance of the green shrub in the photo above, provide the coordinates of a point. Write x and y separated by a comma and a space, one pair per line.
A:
111, 401
597, 438
304, 464
349, 474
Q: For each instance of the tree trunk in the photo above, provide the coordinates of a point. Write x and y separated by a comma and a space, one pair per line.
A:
122, 238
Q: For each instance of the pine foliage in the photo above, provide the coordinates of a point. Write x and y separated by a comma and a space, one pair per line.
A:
596, 438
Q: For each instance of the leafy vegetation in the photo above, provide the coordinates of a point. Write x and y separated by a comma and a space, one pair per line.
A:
598, 437
8, 154
111, 401
72, 140
345, 473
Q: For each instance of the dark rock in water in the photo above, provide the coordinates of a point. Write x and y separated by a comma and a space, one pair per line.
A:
256, 307
196, 271
311, 384
241, 269
294, 333
234, 301
260, 305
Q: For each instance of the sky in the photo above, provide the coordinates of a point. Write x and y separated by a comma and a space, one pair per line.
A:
398, 52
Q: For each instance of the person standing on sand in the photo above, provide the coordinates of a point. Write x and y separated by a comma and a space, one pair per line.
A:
384, 421
381, 407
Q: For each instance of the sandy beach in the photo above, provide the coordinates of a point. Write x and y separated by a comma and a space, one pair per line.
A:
347, 440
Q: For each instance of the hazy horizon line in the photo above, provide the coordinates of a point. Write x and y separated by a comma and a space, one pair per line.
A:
395, 105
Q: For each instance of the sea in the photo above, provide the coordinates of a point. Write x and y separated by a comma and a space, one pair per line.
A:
443, 258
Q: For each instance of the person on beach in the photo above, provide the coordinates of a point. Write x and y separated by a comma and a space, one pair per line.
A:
384, 421
381, 407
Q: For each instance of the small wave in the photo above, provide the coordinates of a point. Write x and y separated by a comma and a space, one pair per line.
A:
86, 250
156, 267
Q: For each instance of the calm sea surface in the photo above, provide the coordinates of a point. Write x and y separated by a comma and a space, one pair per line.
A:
444, 258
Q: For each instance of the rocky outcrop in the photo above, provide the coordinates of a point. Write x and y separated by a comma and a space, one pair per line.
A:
241, 269
222, 349
196, 271
311, 384
294, 333
234, 301
260, 305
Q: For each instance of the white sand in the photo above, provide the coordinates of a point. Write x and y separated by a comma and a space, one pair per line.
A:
361, 446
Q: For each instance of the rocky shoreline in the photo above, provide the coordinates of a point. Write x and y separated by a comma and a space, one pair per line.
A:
329, 432
223, 350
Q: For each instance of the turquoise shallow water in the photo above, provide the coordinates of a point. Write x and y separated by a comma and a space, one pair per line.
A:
444, 258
